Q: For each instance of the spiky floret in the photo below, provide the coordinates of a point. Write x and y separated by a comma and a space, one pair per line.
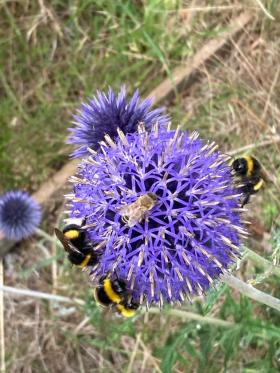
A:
19, 215
103, 114
191, 234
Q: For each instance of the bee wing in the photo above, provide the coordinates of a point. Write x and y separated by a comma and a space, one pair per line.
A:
122, 210
68, 247
267, 177
132, 220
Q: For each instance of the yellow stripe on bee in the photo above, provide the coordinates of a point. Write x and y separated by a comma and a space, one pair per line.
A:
126, 312
85, 261
258, 185
110, 292
72, 234
250, 165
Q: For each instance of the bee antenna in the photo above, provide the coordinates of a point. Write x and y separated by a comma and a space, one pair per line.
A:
84, 221
117, 277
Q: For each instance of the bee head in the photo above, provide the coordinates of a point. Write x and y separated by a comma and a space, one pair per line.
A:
240, 166
132, 306
127, 309
119, 286
74, 233
152, 196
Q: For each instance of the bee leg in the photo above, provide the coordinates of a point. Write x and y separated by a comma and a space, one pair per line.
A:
246, 199
124, 219
76, 258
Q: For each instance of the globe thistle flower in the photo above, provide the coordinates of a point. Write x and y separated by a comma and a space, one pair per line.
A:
103, 114
19, 215
166, 209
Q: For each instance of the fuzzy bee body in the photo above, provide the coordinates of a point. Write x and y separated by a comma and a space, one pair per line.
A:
114, 293
127, 309
135, 212
248, 169
80, 250
110, 292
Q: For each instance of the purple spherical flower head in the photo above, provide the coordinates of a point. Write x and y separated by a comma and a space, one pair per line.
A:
103, 114
19, 215
180, 243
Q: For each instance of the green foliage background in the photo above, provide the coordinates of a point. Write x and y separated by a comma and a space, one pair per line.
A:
54, 54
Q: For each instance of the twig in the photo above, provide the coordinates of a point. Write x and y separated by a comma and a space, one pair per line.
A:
6, 245
60, 298
80, 360
192, 316
264, 10
2, 330
251, 292
81, 325
45, 235
55, 182
256, 118
209, 8
262, 262
54, 267
185, 76
40, 295
272, 140
133, 355
274, 82
151, 357
235, 283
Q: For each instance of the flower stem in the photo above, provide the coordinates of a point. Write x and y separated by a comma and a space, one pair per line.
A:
251, 292
192, 316
6, 245
153, 310
262, 262
40, 295
45, 235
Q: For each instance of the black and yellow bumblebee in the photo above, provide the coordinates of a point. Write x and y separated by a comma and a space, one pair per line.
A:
249, 170
80, 250
114, 293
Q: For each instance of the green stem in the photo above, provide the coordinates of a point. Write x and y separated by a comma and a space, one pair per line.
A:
45, 235
192, 316
6, 245
262, 262
153, 310
40, 295
251, 292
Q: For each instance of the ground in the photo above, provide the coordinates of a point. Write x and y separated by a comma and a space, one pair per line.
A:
53, 55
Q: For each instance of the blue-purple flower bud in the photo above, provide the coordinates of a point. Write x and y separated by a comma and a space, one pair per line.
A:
103, 114
19, 215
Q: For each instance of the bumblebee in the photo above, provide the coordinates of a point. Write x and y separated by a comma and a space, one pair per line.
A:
80, 250
114, 293
248, 169
127, 309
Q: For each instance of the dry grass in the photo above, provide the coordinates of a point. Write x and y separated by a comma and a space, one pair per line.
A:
236, 102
